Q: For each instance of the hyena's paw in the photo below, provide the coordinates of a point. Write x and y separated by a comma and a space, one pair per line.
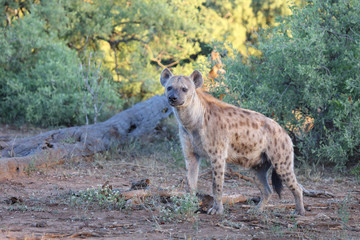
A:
300, 212
256, 210
217, 209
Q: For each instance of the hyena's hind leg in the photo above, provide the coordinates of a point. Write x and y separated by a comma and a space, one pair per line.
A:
261, 181
295, 188
287, 175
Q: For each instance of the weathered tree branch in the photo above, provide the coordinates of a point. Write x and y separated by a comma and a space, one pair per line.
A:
313, 193
122, 40
206, 201
60, 144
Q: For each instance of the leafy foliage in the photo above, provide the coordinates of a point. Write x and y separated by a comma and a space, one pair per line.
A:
134, 36
307, 78
237, 21
40, 78
102, 196
133, 40
139, 38
37, 76
183, 208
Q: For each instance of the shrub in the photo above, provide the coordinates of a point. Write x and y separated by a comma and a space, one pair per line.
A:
101, 196
40, 81
183, 208
308, 79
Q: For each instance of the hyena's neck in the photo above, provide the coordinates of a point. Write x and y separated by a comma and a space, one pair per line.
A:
191, 117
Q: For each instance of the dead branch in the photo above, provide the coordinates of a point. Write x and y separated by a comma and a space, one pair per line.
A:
349, 228
292, 206
137, 196
143, 193
56, 145
232, 199
84, 235
271, 206
208, 171
240, 176
313, 193
230, 173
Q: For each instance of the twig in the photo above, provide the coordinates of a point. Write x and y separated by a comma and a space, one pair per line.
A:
91, 81
240, 176
349, 228
84, 234
313, 193
231, 173
206, 172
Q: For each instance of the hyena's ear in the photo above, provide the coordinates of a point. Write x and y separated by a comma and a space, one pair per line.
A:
197, 78
166, 74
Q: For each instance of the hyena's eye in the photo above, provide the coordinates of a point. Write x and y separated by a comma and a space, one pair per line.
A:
184, 89
169, 88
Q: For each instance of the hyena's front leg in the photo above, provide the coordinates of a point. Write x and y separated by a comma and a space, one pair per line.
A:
192, 162
218, 171
192, 168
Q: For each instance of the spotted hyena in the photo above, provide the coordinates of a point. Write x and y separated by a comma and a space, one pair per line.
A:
223, 133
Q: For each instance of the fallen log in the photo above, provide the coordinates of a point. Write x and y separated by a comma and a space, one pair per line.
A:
86, 140
144, 193
271, 206
136, 197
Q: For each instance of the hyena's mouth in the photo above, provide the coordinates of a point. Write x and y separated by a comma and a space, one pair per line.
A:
175, 103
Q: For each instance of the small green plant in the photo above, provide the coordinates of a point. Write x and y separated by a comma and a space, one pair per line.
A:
21, 207
186, 204
102, 196
182, 208
31, 167
18, 208
177, 155
68, 139
130, 148
343, 211
277, 230
356, 172
294, 222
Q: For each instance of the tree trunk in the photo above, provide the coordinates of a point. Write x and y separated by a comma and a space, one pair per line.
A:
57, 145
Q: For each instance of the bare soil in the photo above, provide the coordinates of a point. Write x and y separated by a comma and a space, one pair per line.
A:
39, 206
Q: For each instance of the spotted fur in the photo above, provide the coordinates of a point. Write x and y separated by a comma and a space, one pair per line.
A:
224, 133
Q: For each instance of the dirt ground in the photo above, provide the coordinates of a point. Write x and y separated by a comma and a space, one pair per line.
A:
40, 205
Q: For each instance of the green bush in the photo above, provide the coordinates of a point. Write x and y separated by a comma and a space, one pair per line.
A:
98, 197
308, 75
40, 80
183, 208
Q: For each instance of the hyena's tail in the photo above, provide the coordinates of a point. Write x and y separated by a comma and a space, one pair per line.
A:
276, 183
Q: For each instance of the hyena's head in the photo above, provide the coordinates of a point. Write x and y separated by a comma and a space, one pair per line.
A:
179, 90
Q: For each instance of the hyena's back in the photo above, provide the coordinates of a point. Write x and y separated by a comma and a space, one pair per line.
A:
246, 133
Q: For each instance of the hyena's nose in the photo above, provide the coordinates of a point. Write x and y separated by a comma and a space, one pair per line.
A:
172, 98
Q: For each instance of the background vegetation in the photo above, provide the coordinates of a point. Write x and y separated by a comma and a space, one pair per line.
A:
302, 71
308, 79
43, 43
